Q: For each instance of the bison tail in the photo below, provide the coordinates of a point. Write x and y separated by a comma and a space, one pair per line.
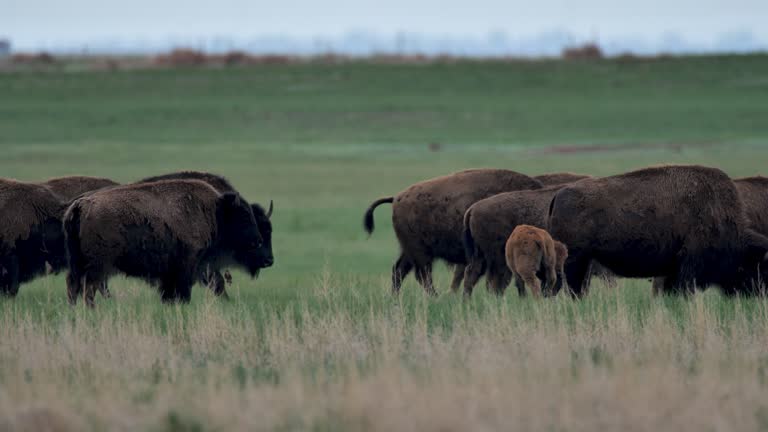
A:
72, 234
469, 241
368, 218
547, 223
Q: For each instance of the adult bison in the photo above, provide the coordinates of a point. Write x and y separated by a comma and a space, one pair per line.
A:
684, 223
30, 233
486, 226
559, 178
213, 277
427, 219
166, 232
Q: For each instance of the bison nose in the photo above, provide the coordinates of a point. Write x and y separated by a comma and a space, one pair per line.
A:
269, 261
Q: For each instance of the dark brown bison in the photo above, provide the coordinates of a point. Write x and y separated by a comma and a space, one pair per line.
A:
753, 192
167, 233
560, 178
486, 227
213, 278
30, 233
530, 251
684, 223
427, 218
71, 187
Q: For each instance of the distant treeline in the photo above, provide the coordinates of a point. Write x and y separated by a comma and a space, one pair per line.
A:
185, 57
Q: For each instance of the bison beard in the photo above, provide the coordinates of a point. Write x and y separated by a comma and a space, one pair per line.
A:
427, 219
684, 223
167, 233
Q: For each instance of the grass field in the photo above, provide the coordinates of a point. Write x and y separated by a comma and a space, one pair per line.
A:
317, 342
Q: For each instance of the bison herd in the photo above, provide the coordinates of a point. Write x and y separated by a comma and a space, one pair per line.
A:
172, 231
684, 226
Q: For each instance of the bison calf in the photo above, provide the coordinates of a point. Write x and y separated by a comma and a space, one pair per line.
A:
167, 232
529, 251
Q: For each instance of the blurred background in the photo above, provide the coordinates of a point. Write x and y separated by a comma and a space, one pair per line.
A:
427, 27
325, 106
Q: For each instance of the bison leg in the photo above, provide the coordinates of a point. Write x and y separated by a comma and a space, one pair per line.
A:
11, 287
458, 276
424, 277
74, 287
533, 284
218, 284
92, 284
104, 290
400, 270
472, 273
658, 286
498, 279
550, 281
576, 272
520, 285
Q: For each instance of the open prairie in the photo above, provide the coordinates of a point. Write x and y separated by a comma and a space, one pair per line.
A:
317, 342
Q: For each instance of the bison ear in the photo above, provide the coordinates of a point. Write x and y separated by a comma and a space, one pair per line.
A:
269, 212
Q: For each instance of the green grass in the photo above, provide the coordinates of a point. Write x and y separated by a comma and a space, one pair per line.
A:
323, 141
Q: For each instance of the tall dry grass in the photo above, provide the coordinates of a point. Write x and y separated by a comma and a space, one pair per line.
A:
354, 359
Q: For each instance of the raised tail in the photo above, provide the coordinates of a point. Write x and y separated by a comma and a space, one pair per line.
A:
368, 218
469, 241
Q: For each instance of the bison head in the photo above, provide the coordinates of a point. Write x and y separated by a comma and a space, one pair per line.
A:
265, 230
751, 272
239, 233
53, 245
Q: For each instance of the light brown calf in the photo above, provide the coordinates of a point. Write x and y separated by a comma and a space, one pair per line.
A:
529, 250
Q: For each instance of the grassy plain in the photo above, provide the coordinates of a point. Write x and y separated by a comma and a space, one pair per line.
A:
317, 342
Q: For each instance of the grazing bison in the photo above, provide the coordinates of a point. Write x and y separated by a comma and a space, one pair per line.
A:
562, 178
212, 277
684, 223
427, 218
530, 250
753, 192
71, 187
30, 233
167, 233
486, 227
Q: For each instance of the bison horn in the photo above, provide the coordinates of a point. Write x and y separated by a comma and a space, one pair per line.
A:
269, 212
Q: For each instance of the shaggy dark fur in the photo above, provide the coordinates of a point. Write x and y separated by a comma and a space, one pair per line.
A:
487, 225
561, 178
684, 223
30, 233
213, 277
167, 233
71, 187
427, 218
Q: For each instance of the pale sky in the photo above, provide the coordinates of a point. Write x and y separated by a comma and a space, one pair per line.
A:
32, 22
